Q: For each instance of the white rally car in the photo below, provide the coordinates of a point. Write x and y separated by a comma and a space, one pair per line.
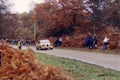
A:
44, 44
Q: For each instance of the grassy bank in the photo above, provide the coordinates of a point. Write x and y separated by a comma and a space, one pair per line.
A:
79, 70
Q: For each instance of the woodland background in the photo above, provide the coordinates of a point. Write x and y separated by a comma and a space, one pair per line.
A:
70, 19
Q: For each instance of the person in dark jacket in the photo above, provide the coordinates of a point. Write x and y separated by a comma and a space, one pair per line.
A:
95, 42
90, 42
86, 41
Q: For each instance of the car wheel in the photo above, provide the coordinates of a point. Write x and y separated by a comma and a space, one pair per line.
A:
41, 49
51, 48
37, 48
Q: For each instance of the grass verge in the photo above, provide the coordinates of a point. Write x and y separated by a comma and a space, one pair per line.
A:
79, 70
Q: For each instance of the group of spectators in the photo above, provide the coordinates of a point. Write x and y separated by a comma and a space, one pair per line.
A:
20, 43
24, 42
92, 42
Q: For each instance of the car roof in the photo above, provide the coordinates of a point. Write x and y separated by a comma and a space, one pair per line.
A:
45, 40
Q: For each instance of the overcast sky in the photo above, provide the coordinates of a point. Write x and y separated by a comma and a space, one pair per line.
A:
21, 6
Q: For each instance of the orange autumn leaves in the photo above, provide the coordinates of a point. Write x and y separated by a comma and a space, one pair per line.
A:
22, 65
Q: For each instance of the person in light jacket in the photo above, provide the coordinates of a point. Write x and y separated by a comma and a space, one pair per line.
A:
105, 43
19, 44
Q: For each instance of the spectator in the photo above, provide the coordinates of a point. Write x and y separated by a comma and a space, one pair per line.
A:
86, 41
57, 42
19, 44
95, 42
60, 41
105, 43
90, 42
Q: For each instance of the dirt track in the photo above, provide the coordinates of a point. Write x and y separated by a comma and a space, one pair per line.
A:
104, 60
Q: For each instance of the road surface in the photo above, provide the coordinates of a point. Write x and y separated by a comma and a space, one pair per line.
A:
104, 60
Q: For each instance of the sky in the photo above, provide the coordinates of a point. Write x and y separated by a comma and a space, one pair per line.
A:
21, 6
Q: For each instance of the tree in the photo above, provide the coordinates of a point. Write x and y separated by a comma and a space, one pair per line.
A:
95, 8
9, 25
24, 33
26, 19
58, 17
113, 18
44, 16
74, 7
3, 12
104, 12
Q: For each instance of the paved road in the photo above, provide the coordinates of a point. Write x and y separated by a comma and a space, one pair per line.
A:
104, 60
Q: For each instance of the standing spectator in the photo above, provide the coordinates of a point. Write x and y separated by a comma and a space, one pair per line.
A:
60, 41
19, 44
86, 41
105, 43
95, 42
90, 42
57, 42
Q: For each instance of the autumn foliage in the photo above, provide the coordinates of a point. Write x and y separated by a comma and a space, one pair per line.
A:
22, 65
73, 21
70, 19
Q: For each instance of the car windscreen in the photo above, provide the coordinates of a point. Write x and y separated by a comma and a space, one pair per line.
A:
45, 42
